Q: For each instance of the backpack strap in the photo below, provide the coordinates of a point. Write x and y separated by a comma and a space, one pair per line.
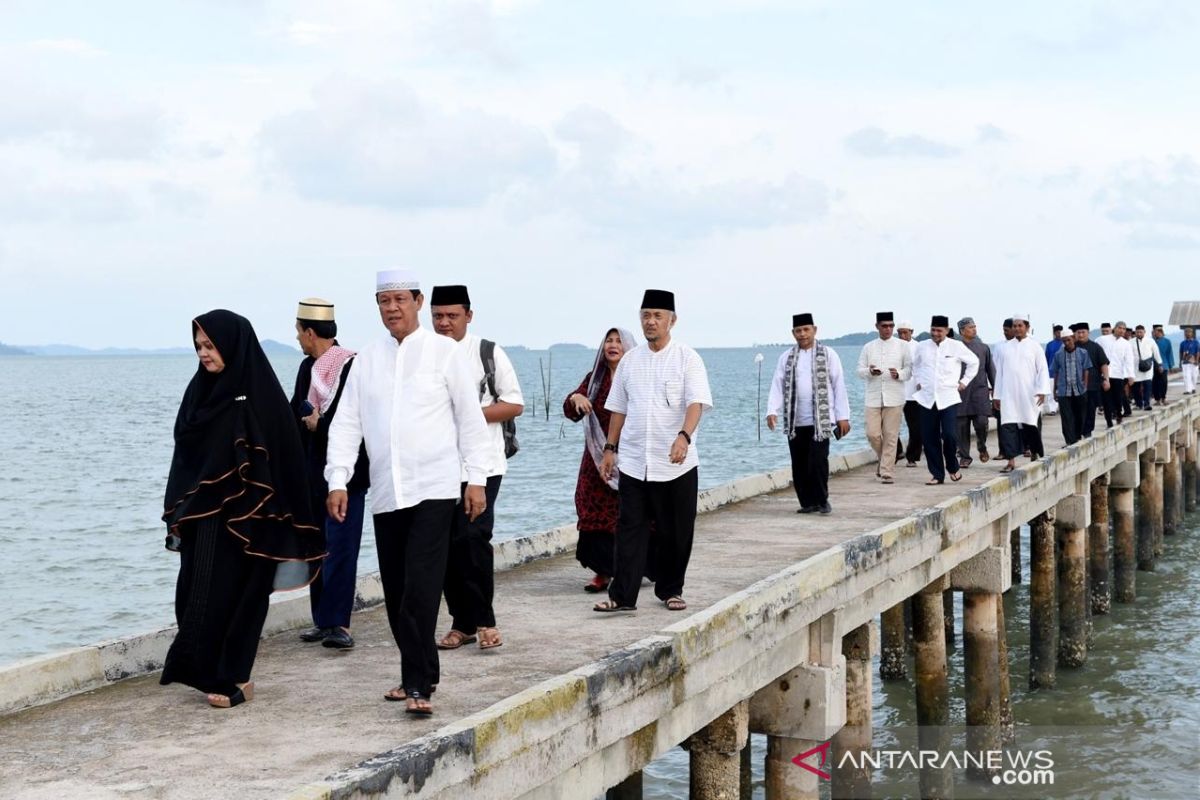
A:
487, 354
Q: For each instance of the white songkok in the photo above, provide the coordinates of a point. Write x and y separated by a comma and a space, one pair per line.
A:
1021, 318
905, 325
391, 280
1066, 335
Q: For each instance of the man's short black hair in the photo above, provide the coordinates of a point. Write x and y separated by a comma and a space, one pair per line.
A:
323, 329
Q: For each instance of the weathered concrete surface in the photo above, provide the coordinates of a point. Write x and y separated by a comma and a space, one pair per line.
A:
574, 701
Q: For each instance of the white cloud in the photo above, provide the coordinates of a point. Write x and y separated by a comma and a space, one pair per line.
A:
989, 133
874, 142
1148, 192
380, 144
75, 47
302, 32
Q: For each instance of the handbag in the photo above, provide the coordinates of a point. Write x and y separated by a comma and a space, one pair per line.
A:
1144, 364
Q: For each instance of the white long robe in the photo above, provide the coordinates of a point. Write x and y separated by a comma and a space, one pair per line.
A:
1021, 375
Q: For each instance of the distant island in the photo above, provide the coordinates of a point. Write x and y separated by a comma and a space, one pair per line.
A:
9, 350
568, 346
269, 346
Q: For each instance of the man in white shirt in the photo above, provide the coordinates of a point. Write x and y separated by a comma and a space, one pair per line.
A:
1143, 379
412, 400
469, 568
885, 364
943, 368
1022, 381
659, 392
1120, 373
809, 392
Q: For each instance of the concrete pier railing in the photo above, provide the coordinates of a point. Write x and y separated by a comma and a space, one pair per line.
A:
771, 659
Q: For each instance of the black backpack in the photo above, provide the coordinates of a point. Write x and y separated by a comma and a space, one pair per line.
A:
487, 354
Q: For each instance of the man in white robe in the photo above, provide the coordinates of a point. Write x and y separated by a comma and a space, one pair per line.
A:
1022, 381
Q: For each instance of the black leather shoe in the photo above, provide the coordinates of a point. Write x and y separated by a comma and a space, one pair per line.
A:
315, 634
808, 509
339, 639
825, 508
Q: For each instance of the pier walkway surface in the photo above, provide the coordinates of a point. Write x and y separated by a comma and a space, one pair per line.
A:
319, 713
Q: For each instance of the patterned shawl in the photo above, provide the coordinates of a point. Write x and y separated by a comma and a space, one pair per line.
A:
325, 373
594, 435
822, 426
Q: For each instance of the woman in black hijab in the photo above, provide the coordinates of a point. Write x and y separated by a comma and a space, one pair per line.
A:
237, 510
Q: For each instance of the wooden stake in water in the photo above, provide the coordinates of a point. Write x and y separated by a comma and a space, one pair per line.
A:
758, 359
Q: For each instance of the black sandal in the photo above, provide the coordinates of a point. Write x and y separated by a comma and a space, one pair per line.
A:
236, 698
398, 694
609, 606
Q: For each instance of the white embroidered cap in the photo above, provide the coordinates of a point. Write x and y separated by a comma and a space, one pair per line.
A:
905, 325
1021, 318
390, 280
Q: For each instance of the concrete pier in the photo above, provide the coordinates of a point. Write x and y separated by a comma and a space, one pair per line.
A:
1071, 518
932, 689
981, 660
576, 703
853, 782
1149, 509
1043, 602
1008, 729
893, 655
1099, 557
715, 764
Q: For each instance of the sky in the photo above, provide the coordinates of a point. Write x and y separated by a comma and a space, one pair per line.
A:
758, 158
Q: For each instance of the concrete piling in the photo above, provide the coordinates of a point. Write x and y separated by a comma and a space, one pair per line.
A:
1189, 477
1071, 521
1014, 543
786, 781
893, 655
948, 618
855, 735
1120, 507
1043, 605
1149, 509
1008, 729
1160, 509
1173, 493
746, 782
628, 789
932, 693
1098, 548
715, 764
981, 662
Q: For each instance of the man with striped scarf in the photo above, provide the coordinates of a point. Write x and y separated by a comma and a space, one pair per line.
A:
809, 391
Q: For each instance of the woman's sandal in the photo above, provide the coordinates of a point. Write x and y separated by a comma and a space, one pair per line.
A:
675, 603
398, 694
609, 606
596, 585
454, 640
417, 704
244, 694
489, 638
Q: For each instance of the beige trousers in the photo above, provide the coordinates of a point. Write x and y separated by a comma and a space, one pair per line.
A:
883, 425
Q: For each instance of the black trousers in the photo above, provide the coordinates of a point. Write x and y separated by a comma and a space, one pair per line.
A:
1016, 438
221, 601
412, 544
1126, 408
470, 585
1094, 401
980, 423
1115, 402
1160, 385
939, 430
1141, 394
1073, 413
912, 419
671, 506
810, 467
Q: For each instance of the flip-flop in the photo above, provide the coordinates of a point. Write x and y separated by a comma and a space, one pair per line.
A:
934, 482
242, 695
417, 697
1006, 469
956, 477
610, 606
483, 645
454, 640
398, 694
675, 603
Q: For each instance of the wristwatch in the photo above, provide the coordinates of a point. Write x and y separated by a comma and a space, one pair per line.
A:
609, 447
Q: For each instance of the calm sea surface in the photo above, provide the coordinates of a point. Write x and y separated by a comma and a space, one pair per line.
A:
87, 443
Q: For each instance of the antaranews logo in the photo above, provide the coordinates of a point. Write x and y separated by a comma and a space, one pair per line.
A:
1011, 768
